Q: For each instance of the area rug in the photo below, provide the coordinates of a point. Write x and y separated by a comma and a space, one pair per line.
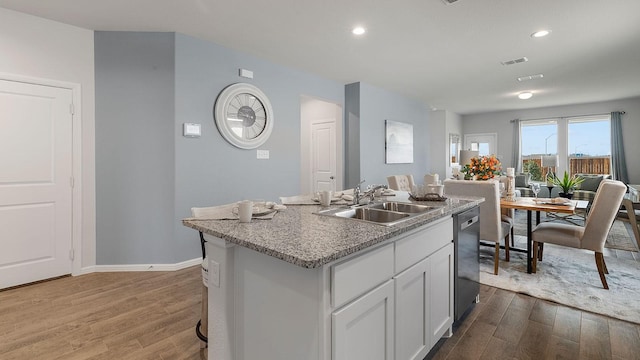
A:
619, 236
569, 277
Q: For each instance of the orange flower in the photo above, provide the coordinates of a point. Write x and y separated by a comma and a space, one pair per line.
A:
484, 167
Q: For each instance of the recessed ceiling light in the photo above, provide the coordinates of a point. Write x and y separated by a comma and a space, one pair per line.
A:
358, 30
541, 33
525, 95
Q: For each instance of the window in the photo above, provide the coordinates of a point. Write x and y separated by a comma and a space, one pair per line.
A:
581, 145
589, 145
539, 138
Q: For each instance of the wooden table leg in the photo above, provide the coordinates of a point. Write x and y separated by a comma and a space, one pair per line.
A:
529, 240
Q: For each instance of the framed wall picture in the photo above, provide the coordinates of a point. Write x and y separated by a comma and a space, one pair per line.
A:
399, 142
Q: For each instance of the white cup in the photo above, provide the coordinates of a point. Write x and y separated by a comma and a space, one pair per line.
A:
325, 197
245, 211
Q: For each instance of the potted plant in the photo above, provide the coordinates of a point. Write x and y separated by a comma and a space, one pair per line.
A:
567, 184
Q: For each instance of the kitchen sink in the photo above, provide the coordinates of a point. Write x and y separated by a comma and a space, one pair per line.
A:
384, 213
371, 214
402, 207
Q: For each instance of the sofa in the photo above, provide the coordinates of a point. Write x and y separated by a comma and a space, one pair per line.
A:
585, 191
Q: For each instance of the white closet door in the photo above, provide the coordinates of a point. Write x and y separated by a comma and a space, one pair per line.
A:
35, 182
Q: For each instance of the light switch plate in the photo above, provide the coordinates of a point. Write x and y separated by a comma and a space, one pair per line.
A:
191, 130
246, 73
263, 154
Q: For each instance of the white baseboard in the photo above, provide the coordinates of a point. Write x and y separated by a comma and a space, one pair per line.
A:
141, 267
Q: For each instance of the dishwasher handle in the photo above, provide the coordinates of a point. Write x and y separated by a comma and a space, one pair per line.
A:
469, 222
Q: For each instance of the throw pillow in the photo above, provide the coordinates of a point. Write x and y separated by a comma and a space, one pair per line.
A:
590, 183
522, 180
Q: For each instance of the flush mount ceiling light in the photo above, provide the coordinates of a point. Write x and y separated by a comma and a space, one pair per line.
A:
525, 95
358, 30
541, 33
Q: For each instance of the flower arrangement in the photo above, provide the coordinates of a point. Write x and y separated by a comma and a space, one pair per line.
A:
483, 168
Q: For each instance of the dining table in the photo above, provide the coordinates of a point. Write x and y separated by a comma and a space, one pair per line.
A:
531, 204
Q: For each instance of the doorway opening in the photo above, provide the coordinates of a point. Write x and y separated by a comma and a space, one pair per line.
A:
321, 145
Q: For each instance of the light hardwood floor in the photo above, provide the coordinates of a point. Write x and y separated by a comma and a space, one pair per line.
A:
135, 315
508, 325
152, 315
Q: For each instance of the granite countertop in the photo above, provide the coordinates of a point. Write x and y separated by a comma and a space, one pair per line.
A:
298, 236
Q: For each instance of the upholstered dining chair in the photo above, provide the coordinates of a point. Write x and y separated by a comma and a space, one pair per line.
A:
630, 213
593, 234
401, 182
492, 228
508, 214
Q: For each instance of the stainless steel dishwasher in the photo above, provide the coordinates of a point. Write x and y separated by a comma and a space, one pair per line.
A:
466, 239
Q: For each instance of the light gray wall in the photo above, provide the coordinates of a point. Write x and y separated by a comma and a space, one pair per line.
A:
352, 135
210, 171
375, 106
149, 175
499, 122
134, 147
438, 143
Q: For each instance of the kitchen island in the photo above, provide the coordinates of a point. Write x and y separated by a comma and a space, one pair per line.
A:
305, 286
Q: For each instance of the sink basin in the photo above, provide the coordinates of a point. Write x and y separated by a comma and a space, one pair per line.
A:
403, 207
385, 213
373, 215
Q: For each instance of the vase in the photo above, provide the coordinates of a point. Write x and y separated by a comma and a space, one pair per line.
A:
567, 196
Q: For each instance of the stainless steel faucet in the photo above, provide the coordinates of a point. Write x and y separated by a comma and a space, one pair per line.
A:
371, 191
357, 193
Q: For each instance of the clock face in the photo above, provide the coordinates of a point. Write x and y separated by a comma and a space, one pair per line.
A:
244, 116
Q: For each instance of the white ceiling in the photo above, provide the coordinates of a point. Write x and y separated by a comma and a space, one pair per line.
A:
446, 55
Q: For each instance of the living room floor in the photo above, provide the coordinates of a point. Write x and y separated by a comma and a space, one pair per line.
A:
509, 325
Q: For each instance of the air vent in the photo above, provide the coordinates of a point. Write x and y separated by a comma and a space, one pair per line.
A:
515, 61
449, 2
530, 77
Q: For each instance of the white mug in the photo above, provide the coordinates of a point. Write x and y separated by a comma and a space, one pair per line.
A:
325, 197
245, 211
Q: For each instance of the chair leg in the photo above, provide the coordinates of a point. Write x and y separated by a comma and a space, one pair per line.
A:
540, 250
512, 237
601, 269
534, 261
606, 271
496, 259
506, 248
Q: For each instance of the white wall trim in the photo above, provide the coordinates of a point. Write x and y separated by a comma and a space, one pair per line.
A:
141, 267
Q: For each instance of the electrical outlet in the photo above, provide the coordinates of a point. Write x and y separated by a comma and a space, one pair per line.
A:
214, 273
263, 154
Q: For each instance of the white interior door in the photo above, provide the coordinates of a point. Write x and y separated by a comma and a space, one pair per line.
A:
35, 182
323, 155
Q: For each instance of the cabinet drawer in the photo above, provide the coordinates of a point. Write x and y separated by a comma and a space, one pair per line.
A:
360, 274
420, 244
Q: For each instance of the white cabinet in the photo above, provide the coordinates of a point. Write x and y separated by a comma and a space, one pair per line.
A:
364, 329
441, 293
424, 304
403, 318
412, 312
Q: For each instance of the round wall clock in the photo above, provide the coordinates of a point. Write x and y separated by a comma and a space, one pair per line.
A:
243, 115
